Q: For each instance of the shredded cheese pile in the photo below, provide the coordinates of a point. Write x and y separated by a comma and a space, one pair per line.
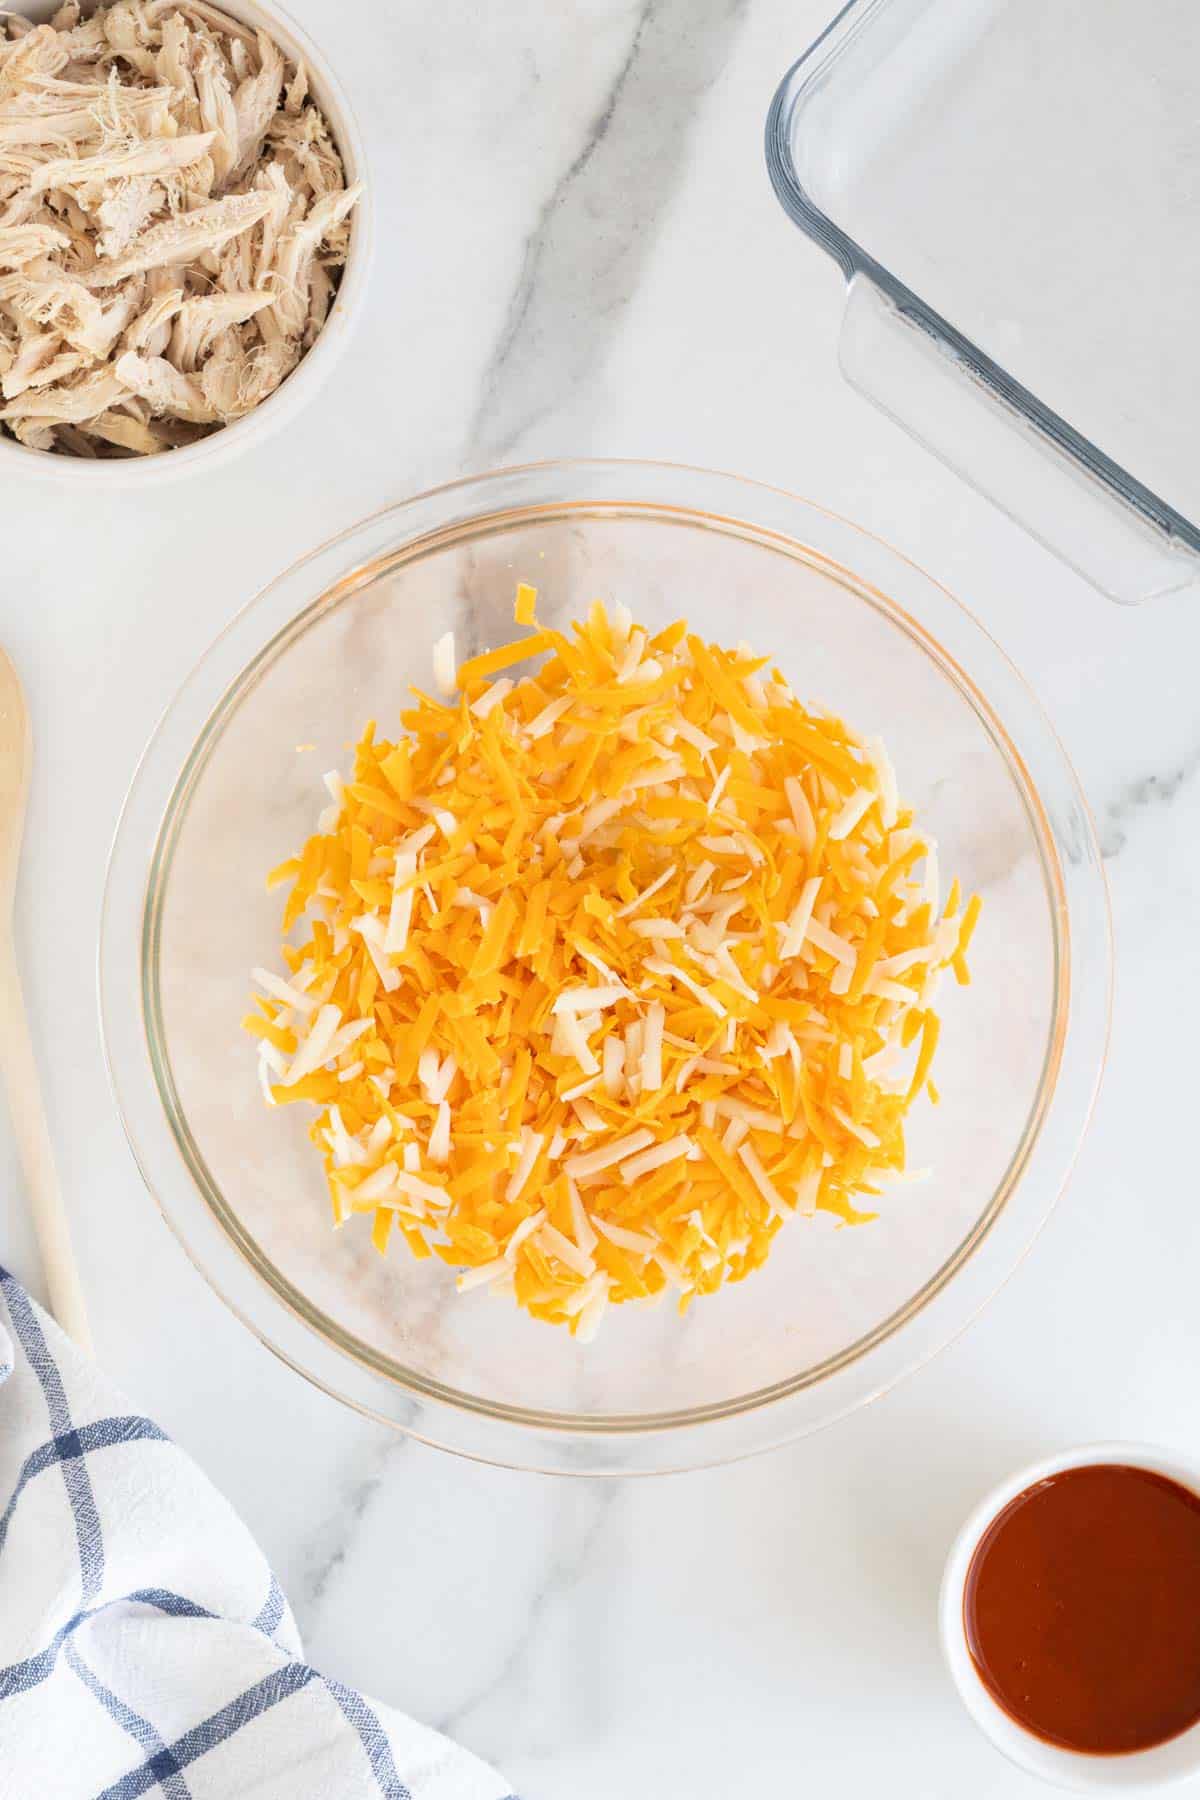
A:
608, 970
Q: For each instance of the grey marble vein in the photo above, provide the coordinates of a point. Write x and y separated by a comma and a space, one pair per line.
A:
594, 231
333, 1542
1137, 796
570, 1553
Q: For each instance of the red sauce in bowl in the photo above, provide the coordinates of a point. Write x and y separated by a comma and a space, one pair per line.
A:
1082, 1609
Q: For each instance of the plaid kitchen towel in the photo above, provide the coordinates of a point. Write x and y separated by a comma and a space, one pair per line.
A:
145, 1646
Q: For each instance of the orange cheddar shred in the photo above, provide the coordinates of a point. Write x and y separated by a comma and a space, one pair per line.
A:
604, 970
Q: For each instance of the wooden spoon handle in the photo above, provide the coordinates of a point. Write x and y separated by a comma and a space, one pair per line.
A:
19, 1069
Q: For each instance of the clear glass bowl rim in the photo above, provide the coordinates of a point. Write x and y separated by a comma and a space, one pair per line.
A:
207, 1227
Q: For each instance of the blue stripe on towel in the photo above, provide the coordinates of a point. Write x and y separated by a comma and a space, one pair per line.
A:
223, 1725
101, 1435
163, 1765
171, 1780
18, 1678
273, 1608
373, 1738
75, 1476
213, 1731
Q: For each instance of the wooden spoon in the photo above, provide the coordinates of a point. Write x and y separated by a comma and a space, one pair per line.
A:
17, 1063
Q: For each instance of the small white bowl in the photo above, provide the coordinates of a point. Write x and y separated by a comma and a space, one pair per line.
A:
1135, 1772
313, 368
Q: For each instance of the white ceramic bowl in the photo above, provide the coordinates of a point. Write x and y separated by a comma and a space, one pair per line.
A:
314, 368
1136, 1772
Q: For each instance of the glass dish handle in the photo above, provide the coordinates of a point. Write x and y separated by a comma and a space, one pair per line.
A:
952, 407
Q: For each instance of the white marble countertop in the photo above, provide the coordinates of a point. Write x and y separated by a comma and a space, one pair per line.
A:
579, 252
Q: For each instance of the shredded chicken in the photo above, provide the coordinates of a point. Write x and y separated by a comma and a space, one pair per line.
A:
174, 219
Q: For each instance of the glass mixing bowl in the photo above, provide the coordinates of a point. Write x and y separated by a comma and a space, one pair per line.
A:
230, 785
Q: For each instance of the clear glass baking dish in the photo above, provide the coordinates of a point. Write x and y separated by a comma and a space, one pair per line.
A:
1012, 190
